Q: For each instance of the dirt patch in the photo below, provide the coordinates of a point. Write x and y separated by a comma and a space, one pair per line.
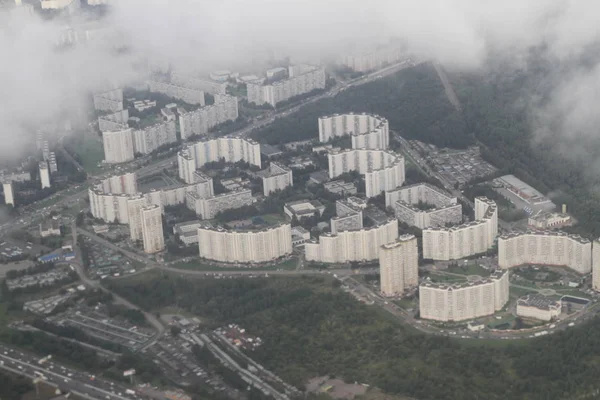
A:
335, 388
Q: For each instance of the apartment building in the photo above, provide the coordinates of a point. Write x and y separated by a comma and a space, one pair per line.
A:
372, 60
546, 248
399, 266
201, 121
463, 301
347, 246
340, 188
183, 93
52, 164
44, 174
116, 121
152, 229
383, 170
349, 215
368, 131
305, 81
9, 195
206, 85
222, 245
118, 146
67, 5
596, 265
209, 207
538, 307
134, 205
464, 240
119, 184
111, 100
276, 177
147, 140
187, 232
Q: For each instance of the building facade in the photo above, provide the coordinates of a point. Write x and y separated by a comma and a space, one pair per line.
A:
460, 302
183, 93
546, 248
209, 207
538, 307
147, 140
368, 131
109, 101
118, 146
310, 79
9, 195
152, 229
399, 266
277, 177
596, 265
201, 121
373, 60
44, 174
116, 121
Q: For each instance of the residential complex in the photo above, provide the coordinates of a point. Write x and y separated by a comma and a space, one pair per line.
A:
201, 121
546, 248
147, 140
441, 208
44, 174
368, 131
596, 265
205, 85
349, 215
219, 244
358, 245
307, 80
152, 229
383, 170
109, 101
209, 207
177, 91
120, 184
9, 195
538, 307
399, 266
276, 177
118, 146
464, 301
116, 121
373, 60
134, 206
463, 240
231, 149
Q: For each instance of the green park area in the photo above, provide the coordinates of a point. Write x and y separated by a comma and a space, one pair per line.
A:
468, 269
203, 265
86, 150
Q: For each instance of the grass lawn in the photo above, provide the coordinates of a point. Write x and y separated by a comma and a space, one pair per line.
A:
518, 292
199, 265
445, 278
469, 269
89, 150
273, 219
406, 303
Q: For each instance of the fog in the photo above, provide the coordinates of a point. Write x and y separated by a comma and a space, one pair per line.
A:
196, 36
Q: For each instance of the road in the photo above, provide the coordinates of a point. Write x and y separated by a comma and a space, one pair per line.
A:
452, 97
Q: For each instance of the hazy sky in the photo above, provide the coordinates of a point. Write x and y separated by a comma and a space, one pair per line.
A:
38, 82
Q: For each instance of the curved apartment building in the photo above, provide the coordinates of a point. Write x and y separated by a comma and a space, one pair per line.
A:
368, 131
383, 170
352, 245
232, 149
230, 246
464, 240
546, 248
460, 302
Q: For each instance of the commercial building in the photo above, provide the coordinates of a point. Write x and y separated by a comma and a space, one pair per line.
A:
118, 146
231, 149
209, 207
546, 248
463, 301
9, 195
340, 188
109, 101
177, 91
546, 220
147, 140
383, 170
50, 227
44, 174
399, 266
218, 244
523, 191
349, 215
116, 121
463, 240
348, 246
446, 209
368, 131
152, 229
307, 80
276, 177
372, 60
303, 209
187, 232
538, 307
201, 121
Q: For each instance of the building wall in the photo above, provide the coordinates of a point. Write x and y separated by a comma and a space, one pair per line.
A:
134, 212
9, 197
119, 184
44, 175
596, 265
152, 229
548, 248
372, 60
538, 313
255, 246
279, 177
368, 131
399, 266
201, 121
114, 122
288, 88
187, 94
353, 221
208, 208
118, 146
109, 101
149, 139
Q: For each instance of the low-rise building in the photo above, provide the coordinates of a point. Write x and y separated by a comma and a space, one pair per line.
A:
299, 235
50, 227
209, 207
538, 307
340, 188
544, 220
276, 177
304, 209
187, 232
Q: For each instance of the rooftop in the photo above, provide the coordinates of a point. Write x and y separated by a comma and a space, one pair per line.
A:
538, 301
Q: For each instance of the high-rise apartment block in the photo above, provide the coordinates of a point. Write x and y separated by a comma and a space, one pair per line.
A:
205, 85
201, 121
596, 265
119, 184
276, 177
116, 121
307, 80
9, 195
183, 93
118, 146
372, 60
464, 301
367, 131
349, 215
147, 140
109, 101
463, 240
209, 207
547, 248
44, 174
152, 229
52, 164
383, 170
399, 266
134, 206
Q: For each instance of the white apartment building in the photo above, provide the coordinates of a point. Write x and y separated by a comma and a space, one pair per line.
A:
118, 146
147, 140
349, 215
373, 60
116, 121
399, 266
119, 184
152, 229
209, 207
358, 245
383, 170
109, 101
538, 307
215, 88
69, 5
297, 84
183, 93
134, 205
276, 177
9, 195
232, 149
447, 210
546, 248
260, 246
465, 240
201, 121
44, 174
368, 131
596, 265
464, 301
52, 162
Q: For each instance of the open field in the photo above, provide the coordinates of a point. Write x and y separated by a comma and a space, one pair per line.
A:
89, 150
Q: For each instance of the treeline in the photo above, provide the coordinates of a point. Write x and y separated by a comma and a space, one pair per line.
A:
14, 386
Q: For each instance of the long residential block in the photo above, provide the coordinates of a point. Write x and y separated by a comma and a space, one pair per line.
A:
368, 131
201, 121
